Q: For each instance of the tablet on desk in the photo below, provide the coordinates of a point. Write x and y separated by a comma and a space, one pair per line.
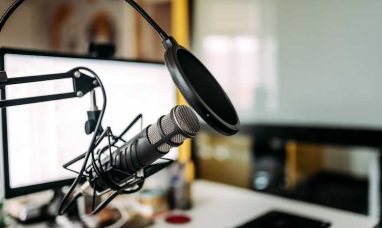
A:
279, 219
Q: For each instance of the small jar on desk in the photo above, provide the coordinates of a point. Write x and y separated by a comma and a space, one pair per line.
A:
153, 202
180, 190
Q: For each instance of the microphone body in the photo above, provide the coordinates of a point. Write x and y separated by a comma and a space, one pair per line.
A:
149, 145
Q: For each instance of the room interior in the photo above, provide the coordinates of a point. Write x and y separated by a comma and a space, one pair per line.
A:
302, 75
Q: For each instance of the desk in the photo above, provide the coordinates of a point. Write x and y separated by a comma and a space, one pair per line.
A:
218, 205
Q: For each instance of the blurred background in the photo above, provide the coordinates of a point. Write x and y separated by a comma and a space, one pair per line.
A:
296, 71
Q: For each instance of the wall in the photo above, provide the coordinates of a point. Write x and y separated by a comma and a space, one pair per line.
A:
329, 62
24, 28
31, 25
313, 62
236, 41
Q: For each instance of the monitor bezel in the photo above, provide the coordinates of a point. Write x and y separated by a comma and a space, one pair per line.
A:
10, 192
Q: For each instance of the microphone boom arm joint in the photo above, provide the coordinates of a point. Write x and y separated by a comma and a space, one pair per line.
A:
82, 84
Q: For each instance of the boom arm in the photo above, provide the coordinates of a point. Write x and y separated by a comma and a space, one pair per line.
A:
82, 84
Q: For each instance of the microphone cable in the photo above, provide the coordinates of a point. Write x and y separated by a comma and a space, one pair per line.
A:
66, 202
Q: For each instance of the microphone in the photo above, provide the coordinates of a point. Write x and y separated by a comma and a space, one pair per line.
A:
150, 144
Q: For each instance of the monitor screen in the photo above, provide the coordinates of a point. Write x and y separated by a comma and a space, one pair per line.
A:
42, 137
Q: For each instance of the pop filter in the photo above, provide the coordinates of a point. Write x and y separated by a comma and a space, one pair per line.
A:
200, 88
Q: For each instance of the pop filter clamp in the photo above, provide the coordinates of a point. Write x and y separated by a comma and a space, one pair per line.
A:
195, 82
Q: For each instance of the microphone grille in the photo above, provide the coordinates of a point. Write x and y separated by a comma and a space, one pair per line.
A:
168, 126
154, 137
187, 120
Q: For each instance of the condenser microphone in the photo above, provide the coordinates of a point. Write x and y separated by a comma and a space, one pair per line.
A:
149, 145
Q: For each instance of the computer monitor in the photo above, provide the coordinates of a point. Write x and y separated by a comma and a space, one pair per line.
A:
39, 138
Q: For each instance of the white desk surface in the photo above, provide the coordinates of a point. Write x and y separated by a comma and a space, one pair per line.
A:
217, 205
